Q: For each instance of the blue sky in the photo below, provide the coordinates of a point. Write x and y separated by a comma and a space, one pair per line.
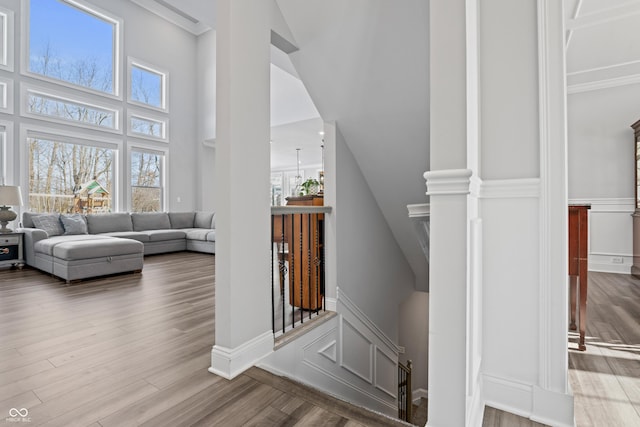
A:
71, 33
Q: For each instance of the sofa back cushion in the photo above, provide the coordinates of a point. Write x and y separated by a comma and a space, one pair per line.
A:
108, 223
203, 219
182, 219
49, 223
74, 223
150, 221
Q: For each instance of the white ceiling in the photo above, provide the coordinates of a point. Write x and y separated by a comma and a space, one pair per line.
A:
602, 50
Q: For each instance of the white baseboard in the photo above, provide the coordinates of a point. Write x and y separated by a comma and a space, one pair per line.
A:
529, 401
231, 362
418, 394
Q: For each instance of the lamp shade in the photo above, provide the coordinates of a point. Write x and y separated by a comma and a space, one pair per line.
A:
10, 195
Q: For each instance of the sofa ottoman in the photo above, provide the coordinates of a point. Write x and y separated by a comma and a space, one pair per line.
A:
80, 259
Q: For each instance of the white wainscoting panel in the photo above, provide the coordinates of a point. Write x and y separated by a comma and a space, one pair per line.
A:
610, 234
347, 357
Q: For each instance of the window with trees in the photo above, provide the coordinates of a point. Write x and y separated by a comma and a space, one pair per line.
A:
73, 44
147, 85
67, 176
59, 108
146, 180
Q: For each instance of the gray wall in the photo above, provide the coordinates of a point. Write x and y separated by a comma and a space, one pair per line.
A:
371, 268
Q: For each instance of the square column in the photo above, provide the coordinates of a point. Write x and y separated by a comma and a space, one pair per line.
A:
243, 310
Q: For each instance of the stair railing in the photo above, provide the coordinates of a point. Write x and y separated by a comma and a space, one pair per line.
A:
405, 400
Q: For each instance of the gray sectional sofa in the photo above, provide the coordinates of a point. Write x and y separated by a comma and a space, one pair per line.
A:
76, 246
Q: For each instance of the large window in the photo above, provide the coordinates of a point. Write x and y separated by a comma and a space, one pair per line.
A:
147, 86
69, 177
58, 108
146, 181
70, 43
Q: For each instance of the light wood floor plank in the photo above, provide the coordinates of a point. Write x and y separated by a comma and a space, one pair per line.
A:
134, 349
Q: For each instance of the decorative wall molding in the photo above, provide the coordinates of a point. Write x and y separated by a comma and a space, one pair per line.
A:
510, 188
448, 182
618, 205
419, 210
348, 304
603, 84
603, 16
231, 362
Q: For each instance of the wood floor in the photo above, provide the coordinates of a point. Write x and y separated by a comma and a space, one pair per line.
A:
606, 378
134, 349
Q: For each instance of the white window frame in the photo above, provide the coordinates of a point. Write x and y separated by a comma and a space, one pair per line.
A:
65, 96
92, 10
6, 152
164, 104
34, 131
6, 95
7, 36
148, 115
148, 148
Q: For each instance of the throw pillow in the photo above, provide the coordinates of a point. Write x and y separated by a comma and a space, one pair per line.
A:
73, 224
49, 223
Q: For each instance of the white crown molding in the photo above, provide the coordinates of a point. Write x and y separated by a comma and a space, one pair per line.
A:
448, 182
170, 16
603, 84
621, 205
510, 188
603, 16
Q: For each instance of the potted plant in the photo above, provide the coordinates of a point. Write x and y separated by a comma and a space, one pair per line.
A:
309, 187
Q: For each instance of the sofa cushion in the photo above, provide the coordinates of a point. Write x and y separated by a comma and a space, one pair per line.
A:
203, 219
88, 249
49, 223
197, 233
182, 219
47, 246
74, 224
106, 223
150, 221
160, 235
211, 236
140, 236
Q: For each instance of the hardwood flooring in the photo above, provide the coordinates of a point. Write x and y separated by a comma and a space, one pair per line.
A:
605, 379
134, 349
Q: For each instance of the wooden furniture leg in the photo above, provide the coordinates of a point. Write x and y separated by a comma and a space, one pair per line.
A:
573, 287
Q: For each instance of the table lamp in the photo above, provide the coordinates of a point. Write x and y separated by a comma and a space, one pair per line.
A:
9, 196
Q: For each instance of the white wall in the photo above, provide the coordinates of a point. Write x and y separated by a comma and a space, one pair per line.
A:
153, 40
601, 161
371, 267
206, 47
414, 337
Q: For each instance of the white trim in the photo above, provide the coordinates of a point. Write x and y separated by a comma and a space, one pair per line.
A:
448, 182
117, 53
330, 304
419, 210
146, 147
8, 38
604, 16
6, 101
551, 408
603, 84
170, 16
418, 394
209, 142
7, 151
162, 120
510, 188
507, 395
553, 273
64, 96
231, 362
164, 84
352, 308
602, 205
369, 378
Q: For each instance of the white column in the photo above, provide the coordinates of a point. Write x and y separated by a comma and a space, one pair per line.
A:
243, 303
